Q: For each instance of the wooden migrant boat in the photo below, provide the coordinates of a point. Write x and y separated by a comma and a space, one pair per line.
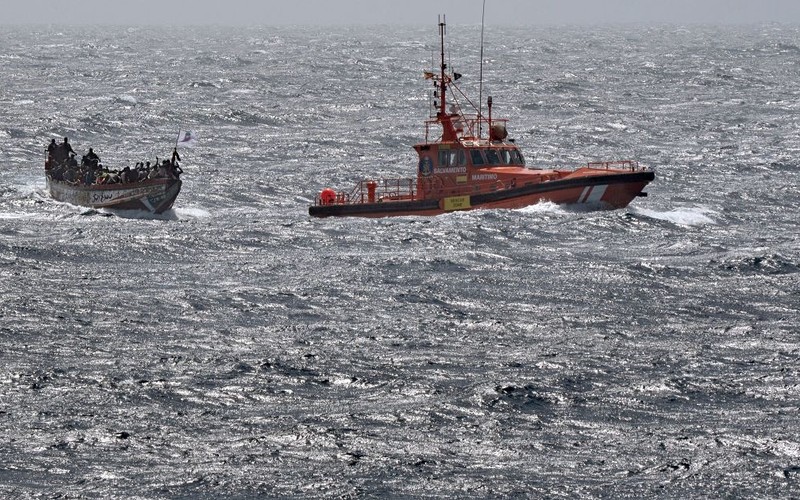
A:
91, 185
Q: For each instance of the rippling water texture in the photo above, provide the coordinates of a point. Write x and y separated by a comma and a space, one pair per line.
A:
236, 347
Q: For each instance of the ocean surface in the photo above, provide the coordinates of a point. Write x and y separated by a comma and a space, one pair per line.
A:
234, 347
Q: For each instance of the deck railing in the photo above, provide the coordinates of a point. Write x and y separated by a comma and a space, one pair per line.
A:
469, 127
374, 191
631, 165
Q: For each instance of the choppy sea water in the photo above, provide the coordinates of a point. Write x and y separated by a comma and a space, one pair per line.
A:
237, 348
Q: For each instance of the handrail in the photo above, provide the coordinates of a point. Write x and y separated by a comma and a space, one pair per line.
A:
385, 189
467, 126
631, 165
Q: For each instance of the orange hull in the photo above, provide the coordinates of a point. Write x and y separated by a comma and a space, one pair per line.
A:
611, 190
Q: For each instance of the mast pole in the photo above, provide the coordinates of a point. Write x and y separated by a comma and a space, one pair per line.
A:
443, 84
480, 77
449, 133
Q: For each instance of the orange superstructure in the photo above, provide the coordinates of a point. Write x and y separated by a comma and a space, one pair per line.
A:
462, 169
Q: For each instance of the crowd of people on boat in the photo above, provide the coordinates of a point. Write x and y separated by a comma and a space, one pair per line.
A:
63, 166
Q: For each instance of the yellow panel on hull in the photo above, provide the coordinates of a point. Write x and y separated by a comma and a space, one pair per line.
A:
456, 203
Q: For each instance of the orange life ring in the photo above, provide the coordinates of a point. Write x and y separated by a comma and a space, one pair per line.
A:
327, 196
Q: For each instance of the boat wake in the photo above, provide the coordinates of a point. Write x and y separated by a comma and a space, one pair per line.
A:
544, 207
171, 214
30, 188
16, 215
190, 213
690, 216
136, 214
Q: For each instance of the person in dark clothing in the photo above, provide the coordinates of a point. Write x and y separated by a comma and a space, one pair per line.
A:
51, 150
70, 175
126, 175
91, 159
59, 156
62, 152
88, 177
176, 170
66, 147
72, 162
165, 170
57, 173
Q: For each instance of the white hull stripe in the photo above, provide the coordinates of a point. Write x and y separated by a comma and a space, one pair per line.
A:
592, 194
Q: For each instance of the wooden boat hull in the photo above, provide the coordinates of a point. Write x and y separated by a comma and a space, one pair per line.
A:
155, 195
614, 190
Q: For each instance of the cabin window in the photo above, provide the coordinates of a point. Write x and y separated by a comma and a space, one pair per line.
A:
477, 157
505, 156
516, 157
452, 158
492, 157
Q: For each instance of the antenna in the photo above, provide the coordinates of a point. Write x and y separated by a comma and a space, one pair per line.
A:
480, 77
442, 76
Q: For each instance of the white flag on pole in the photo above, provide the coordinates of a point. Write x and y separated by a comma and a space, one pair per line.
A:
186, 138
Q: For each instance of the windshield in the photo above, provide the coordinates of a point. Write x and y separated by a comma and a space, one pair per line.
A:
477, 157
492, 157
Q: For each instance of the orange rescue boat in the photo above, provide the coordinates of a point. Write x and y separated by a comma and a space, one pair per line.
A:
463, 170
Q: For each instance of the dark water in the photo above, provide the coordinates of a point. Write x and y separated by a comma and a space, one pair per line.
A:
236, 348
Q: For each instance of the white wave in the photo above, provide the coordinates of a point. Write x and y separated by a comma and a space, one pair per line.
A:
172, 214
29, 187
128, 99
543, 207
191, 213
15, 215
127, 214
490, 255
692, 216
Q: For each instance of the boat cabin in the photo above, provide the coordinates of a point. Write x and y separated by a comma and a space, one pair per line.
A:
442, 157
466, 166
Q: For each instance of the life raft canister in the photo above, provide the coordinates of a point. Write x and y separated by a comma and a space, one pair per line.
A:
498, 132
327, 196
